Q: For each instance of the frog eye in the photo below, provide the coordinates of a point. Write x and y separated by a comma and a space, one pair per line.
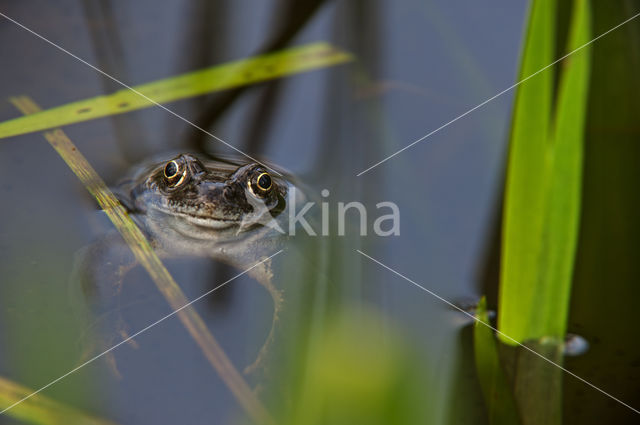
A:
175, 172
261, 183
171, 169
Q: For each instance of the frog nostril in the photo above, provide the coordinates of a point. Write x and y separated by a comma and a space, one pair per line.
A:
227, 192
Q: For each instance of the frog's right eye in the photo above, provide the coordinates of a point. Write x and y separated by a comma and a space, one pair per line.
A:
171, 169
175, 172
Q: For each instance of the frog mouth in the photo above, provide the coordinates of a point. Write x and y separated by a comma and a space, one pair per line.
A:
210, 222
215, 223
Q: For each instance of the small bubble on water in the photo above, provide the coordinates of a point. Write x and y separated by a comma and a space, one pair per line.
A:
575, 345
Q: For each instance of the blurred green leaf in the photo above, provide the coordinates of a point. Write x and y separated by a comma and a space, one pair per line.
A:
360, 372
39, 409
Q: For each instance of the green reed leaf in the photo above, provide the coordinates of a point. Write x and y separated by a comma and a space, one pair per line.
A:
542, 202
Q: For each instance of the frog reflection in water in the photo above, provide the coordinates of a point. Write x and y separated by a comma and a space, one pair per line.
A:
225, 210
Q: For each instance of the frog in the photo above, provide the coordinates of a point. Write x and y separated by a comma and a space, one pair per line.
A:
223, 209
226, 209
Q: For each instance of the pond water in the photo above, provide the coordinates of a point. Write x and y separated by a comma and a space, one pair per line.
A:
418, 65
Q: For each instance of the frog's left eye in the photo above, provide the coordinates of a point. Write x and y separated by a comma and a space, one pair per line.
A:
264, 182
261, 183
171, 169
175, 172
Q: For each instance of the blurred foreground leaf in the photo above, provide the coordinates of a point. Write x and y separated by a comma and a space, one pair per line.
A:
41, 410
359, 371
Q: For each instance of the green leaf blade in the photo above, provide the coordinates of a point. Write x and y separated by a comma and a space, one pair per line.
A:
542, 204
226, 76
563, 213
524, 198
